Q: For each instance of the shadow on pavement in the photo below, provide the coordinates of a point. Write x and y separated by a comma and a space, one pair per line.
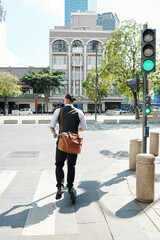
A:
131, 209
88, 192
118, 155
16, 218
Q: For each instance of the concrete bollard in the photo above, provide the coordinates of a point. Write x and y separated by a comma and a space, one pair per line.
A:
154, 143
145, 177
135, 148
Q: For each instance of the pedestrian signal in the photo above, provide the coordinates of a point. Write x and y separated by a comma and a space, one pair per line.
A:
147, 104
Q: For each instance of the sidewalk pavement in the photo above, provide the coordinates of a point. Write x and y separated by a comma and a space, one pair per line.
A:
106, 206
105, 210
127, 218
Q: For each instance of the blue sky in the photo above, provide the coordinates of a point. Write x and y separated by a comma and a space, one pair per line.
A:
28, 23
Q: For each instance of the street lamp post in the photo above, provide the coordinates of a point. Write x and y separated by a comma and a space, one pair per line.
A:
96, 82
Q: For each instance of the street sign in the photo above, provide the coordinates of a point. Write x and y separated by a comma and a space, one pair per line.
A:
146, 131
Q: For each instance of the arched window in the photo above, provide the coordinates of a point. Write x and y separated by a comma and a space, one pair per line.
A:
59, 46
91, 47
76, 43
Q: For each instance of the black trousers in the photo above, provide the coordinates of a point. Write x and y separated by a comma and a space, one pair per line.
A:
71, 162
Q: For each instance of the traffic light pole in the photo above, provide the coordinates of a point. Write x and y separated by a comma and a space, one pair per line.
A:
144, 137
96, 85
145, 26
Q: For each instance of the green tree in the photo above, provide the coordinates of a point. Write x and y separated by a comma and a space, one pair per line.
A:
103, 87
44, 81
155, 76
8, 87
123, 61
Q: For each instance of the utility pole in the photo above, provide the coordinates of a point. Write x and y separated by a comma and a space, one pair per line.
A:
145, 26
148, 60
144, 137
96, 82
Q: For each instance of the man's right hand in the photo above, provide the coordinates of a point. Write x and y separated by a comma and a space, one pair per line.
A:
80, 129
55, 135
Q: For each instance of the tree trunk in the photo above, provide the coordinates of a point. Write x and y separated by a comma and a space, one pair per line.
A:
5, 104
99, 106
136, 107
46, 99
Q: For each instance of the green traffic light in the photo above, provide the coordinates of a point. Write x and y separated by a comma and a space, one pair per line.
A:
148, 65
147, 110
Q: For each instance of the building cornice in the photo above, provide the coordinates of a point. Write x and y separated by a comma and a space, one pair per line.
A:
78, 31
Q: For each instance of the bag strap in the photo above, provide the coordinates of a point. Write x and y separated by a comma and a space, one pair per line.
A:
61, 117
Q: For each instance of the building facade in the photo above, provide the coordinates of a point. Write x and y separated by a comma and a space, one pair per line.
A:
72, 6
109, 21
73, 51
3, 49
27, 99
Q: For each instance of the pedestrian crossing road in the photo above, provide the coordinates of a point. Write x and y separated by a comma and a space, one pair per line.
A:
28, 209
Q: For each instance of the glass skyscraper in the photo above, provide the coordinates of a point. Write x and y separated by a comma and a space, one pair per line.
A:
72, 6
109, 21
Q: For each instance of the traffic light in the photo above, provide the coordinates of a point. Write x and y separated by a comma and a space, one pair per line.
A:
147, 104
148, 50
95, 99
134, 83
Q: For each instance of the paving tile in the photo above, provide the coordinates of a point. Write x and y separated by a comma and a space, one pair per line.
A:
129, 222
118, 167
88, 184
153, 235
66, 222
120, 187
119, 203
89, 212
94, 231
133, 236
48, 237
86, 195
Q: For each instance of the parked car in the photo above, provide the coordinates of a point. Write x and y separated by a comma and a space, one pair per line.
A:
124, 111
117, 111
25, 111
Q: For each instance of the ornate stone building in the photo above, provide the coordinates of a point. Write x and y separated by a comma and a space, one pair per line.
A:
73, 50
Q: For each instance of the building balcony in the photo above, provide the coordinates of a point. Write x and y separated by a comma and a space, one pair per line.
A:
77, 50
59, 67
90, 66
77, 64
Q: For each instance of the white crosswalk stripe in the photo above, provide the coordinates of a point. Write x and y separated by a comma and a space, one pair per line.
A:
46, 216
6, 178
41, 218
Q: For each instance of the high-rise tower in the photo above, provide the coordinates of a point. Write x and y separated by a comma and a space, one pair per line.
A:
72, 6
2, 36
109, 21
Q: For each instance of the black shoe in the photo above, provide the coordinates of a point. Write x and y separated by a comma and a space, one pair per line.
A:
59, 193
72, 195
